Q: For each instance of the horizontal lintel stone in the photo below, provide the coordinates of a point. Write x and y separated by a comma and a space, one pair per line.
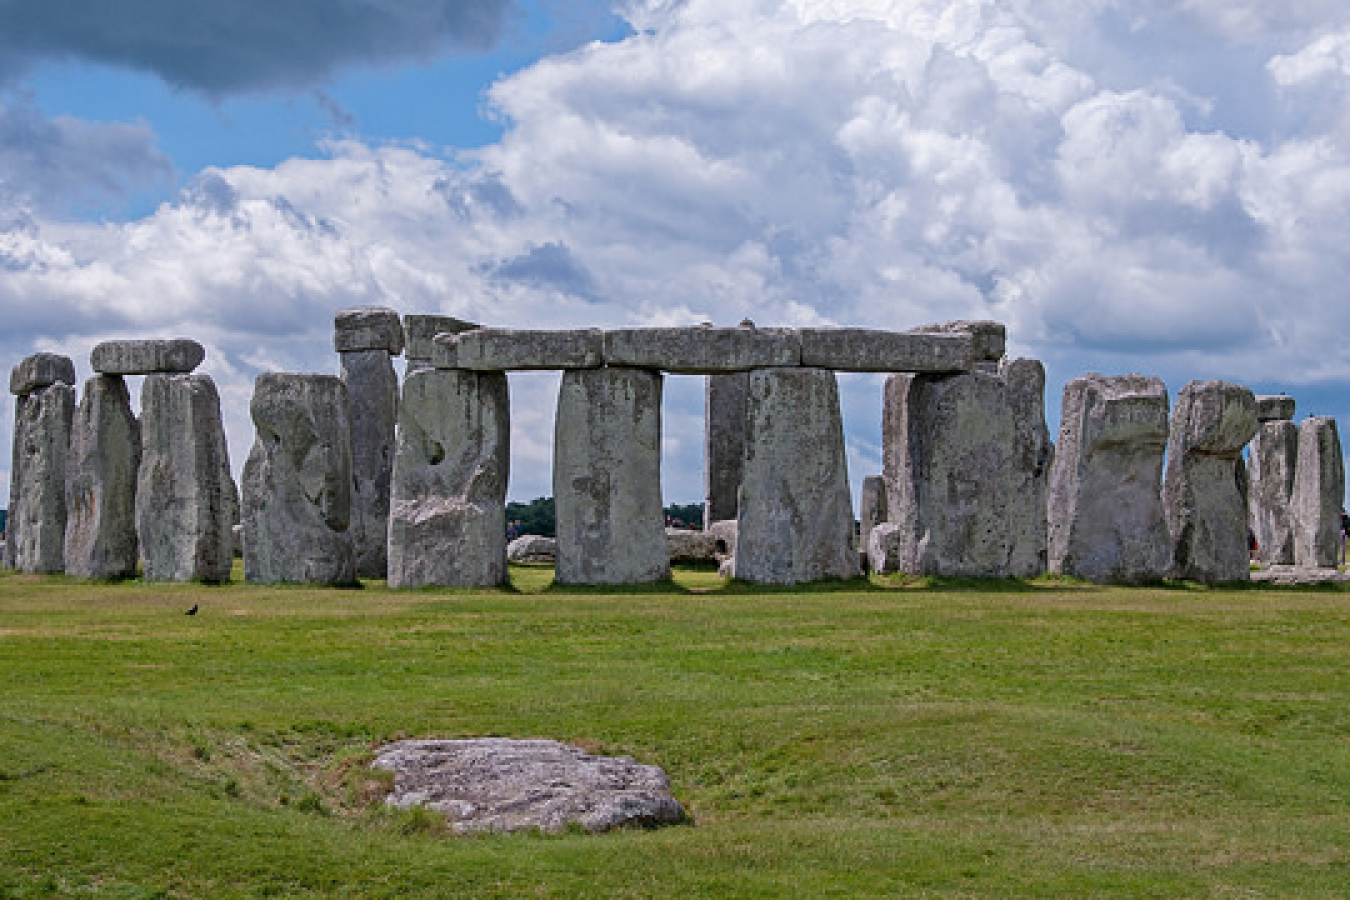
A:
502, 349
1274, 407
367, 328
991, 338
39, 371
419, 333
867, 350
144, 357
702, 350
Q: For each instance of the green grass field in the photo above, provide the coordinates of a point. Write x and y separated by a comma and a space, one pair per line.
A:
1025, 740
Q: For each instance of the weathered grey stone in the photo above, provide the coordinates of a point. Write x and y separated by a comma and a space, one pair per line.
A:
144, 357
991, 338
723, 534
607, 478
419, 334
702, 350
1319, 493
363, 328
885, 543
37, 521
533, 550
15, 486
865, 350
1299, 576
297, 486
504, 785
39, 371
967, 461
796, 516
1273, 457
1105, 513
724, 443
501, 349
447, 515
1206, 518
871, 507
691, 547
372, 387
1274, 407
105, 454
183, 489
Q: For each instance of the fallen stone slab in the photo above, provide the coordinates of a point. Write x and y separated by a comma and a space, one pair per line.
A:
367, 328
702, 350
143, 357
1274, 407
533, 550
1299, 576
504, 349
419, 334
866, 350
1319, 493
691, 547
503, 785
105, 455
990, 338
39, 371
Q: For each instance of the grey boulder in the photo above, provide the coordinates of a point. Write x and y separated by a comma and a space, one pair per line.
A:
143, 357
39, 371
367, 328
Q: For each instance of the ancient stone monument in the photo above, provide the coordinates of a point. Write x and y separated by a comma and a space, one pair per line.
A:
1206, 516
871, 508
297, 486
42, 385
419, 336
1105, 513
966, 461
607, 478
1319, 492
367, 339
724, 443
105, 456
447, 515
796, 516
1273, 456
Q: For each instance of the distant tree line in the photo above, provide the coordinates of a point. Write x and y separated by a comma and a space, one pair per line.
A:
538, 517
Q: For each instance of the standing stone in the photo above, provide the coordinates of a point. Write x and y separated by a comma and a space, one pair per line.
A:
367, 338
297, 487
15, 485
447, 515
871, 507
607, 478
183, 488
967, 460
37, 516
724, 443
105, 454
1273, 460
1206, 517
1105, 512
796, 516
1319, 492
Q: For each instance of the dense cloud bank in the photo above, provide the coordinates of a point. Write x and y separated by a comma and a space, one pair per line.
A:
1130, 186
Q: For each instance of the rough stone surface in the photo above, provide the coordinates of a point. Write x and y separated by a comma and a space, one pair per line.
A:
864, 350
607, 478
991, 338
447, 515
885, 547
967, 464
1273, 455
419, 334
1206, 517
363, 328
105, 455
691, 547
501, 349
724, 542
37, 521
39, 371
372, 388
724, 443
1299, 576
1273, 407
1319, 492
871, 507
702, 350
533, 549
143, 357
504, 785
15, 487
796, 516
1105, 514
183, 489
297, 486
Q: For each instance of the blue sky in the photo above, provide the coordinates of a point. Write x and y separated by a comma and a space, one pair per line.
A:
1130, 185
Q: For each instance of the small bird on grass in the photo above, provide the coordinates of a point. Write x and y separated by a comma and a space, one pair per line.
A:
191, 612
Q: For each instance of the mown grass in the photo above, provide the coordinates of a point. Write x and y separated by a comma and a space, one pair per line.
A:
901, 739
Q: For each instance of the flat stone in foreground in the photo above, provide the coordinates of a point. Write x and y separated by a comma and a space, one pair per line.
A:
702, 350
1319, 492
866, 350
503, 349
105, 455
39, 371
367, 328
144, 357
503, 785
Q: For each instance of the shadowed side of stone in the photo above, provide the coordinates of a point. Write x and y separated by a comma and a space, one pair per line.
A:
505, 785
